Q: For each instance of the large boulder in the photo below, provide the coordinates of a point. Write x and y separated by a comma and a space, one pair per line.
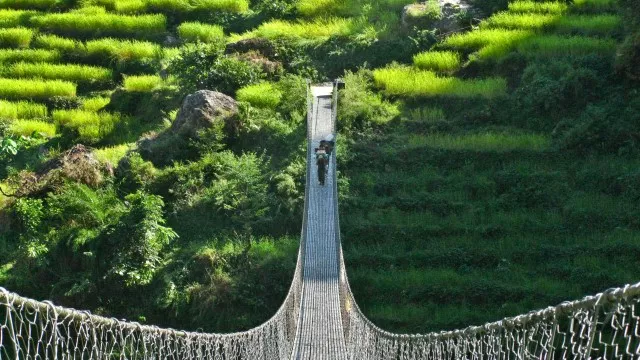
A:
442, 15
202, 110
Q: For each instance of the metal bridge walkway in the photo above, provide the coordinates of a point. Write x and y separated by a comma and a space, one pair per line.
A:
320, 332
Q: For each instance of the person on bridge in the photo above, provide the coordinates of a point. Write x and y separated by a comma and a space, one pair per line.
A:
322, 160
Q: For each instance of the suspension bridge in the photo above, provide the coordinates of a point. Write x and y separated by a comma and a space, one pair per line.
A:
320, 319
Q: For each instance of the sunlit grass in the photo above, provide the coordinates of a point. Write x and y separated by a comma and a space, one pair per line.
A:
554, 45
112, 154
17, 37
87, 25
95, 103
233, 6
70, 72
122, 49
195, 31
28, 127
316, 8
35, 89
494, 142
54, 42
90, 126
409, 82
28, 55
437, 60
142, 83
12, 18
547, 7
316, 31
22, 110
263, 95
528, 21
30, 4
477, 39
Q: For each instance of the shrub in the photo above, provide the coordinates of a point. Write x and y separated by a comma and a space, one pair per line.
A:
437, 60
90, 126
263, 95
195, 31
54, 42
143, 83
15, 37
22, 110
28, 127
359, 105
318, 30
12, 18
95, 104
28, 55
122, 50
483, 142
95, 25
528, 6
35, 89
71, 72
405, 81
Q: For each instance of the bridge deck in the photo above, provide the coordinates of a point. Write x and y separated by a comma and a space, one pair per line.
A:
320, 335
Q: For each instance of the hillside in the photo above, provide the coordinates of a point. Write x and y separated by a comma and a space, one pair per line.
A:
485, 171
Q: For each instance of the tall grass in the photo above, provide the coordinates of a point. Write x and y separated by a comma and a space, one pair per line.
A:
594, 6
312, 8
546, 7
195, 31
31, 4
233, 6
474, 40
54, 42
112, 154
122, 49
263, 95
589, 25
130, 6
90, 126
315, 31
482, 142
142, 83
95, 103
12, 18
97, 25
15, 37
425, 115
28, 127
437, 60
554, 45
35, 89
22, 110
527, 21
409, 82
70, 72
31, 55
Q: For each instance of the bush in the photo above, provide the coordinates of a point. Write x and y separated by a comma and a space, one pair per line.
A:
197, 32
29, 55
35, 89
96, 25
15, 37
263, 95
28, 127
22, 110
405, 81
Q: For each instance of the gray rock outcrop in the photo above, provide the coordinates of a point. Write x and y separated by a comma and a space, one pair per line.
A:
202, 110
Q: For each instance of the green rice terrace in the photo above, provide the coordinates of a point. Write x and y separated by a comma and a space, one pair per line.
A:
488, 158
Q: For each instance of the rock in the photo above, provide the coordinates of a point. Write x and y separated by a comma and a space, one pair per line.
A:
442, 15
202, 110
262, 46
268, 67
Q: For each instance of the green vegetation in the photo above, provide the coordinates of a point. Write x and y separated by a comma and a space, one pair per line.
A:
12, 18
264, 95
95, 104
404, 81
90, 25
143, 83
526, 6
481, 142
552, 45
31, 55
315, 31
122, 50
71, 72
90, 126
195, 31
15, 37
437, 60
54, 42
22, 110
31, 4
28, 127
35, 89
